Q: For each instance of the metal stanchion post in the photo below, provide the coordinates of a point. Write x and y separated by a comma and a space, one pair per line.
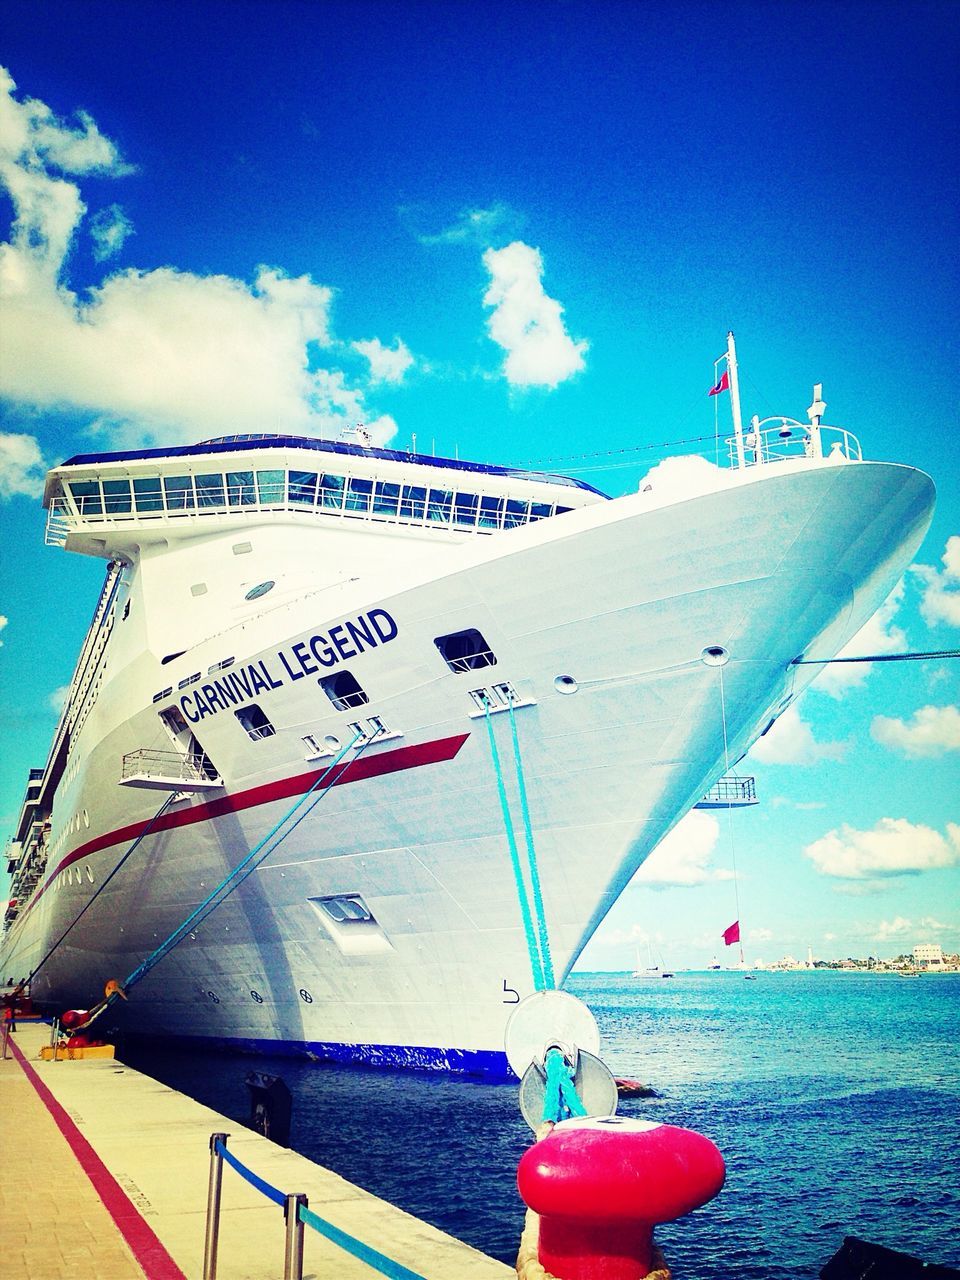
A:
55, 1038
6, 1035
212, 1240
293, 1253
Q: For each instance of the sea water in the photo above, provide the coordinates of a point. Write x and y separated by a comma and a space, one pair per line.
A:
834, 1098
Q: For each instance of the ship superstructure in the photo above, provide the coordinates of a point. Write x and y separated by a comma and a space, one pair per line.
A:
271, 600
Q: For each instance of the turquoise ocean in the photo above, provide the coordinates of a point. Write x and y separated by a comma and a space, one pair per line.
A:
834, 1097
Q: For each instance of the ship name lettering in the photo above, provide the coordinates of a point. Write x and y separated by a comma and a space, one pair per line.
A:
347, 639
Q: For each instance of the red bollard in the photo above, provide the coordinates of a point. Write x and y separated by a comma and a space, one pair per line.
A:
600, 1185
74, 1018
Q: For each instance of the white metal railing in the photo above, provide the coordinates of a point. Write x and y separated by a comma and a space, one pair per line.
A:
171, 766
777, 439
729, 792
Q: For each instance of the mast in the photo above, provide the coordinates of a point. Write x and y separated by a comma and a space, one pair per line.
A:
735, 398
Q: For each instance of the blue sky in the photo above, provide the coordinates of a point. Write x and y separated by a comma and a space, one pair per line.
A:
520, 231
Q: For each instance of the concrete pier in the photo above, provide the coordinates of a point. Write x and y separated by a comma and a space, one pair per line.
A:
103, 1173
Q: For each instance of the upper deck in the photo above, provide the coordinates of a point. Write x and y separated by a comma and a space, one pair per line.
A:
98, 503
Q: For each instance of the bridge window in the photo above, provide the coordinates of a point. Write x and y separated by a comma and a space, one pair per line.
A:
146, 494
255, 721
343, 690
414, 502
386, 500
539, 510
179, 492
465, 650
491, 513
240, 491
517, 513
303, 487
465, 511
86, 494
440, 506
331, 491
270, 487
116, 496
210, 491
359, 493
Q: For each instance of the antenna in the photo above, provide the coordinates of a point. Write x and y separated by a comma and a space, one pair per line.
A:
815, 414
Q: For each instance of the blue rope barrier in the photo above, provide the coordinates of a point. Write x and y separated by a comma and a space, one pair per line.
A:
248, 1175
548, 977
357, 1249
535, 962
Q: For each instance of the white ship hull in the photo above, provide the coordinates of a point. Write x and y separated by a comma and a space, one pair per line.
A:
623, 596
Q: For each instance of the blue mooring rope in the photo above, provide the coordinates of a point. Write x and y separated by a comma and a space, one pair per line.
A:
536, 964
546, 961
560, 1100
183, 929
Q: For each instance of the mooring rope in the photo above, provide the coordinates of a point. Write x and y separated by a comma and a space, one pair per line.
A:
541, 918
247, 866
90, 901
536, 964
880, 657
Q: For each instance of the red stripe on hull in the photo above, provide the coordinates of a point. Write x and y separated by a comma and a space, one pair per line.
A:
360, 770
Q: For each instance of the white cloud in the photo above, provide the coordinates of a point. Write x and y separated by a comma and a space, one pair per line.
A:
685, 476
109, 228
894, 928
894, 847
22, 468
933, 731
682, 857
525, 322
759, 935
791, 741
474, 226
877, 635
150, 355
387, 364
57, 700
941, 589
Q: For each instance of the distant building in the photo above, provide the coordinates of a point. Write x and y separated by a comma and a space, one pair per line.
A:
927, 954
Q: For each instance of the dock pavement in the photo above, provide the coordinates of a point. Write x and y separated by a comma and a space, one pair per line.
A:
104, 1173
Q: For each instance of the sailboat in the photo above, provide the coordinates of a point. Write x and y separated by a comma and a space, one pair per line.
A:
652, 970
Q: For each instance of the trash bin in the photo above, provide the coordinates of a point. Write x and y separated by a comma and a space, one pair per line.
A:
270, 1105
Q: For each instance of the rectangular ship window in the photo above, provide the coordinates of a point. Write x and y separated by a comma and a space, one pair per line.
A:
413, 502
146, 494
331, 491
86, 494
240, 491
254, 720
116, 496
179, 492
270, 487
465, 650
343, 690
209, 491
302, 487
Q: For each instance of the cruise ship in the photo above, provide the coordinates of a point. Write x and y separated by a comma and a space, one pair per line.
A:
430, 695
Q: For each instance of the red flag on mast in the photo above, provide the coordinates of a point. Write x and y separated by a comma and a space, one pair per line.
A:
722, 385
732, 935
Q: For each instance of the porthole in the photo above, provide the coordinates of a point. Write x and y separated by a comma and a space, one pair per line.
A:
332, 743
256, 996
259, 590
714, 655
213, 997
89, 873
86, 818
565, 684
305, 996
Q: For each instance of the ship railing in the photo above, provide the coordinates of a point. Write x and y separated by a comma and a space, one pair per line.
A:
779, 439
729, 792
168, 771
